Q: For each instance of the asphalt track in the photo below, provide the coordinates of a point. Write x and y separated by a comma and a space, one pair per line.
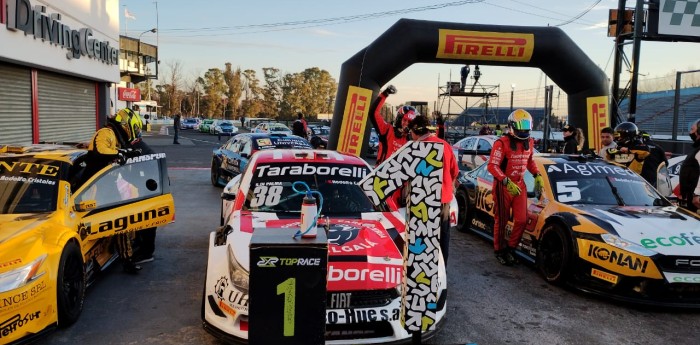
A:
487, 303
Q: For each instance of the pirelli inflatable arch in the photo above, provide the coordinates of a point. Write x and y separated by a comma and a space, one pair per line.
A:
417, 41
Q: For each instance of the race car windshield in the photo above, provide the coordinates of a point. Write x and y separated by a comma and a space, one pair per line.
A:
27, 186
271, 188
601, 184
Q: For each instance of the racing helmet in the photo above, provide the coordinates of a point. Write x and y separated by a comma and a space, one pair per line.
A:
626, 132
121, 118
520, 123
404, 115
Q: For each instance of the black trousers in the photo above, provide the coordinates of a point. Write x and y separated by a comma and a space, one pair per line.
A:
145, 239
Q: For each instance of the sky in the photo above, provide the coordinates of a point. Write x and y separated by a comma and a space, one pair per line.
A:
293, 35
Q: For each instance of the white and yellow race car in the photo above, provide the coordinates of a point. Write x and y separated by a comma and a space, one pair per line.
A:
57, 228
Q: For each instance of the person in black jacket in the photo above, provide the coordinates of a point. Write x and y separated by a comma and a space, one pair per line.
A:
689, 176
570, 143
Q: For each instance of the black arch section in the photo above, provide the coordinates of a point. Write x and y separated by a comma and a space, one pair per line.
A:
411, 41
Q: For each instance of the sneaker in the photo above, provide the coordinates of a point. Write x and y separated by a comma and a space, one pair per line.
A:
144, 260
502, 257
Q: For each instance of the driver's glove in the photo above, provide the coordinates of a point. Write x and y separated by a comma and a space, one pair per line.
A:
390, 90
512, 188
539, 183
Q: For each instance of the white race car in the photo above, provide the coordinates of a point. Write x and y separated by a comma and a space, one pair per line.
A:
362, 238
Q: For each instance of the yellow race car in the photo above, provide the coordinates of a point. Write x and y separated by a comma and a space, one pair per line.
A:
57, 228
599, 228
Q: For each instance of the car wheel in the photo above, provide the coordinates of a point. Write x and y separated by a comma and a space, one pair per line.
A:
554, 254
70, 287
214, 173
463, 216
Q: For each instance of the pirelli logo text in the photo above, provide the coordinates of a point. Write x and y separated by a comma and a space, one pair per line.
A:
487, 46
352, 131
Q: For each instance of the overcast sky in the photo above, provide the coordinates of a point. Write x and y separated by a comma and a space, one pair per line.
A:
293, 35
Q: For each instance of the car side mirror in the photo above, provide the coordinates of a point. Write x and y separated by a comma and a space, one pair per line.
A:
85, 205
147, 116
228, 196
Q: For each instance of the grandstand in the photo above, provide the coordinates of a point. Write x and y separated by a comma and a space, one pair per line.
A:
655, 111
497, 115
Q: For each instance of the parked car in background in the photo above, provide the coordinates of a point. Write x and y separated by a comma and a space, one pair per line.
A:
272, 127
205, 124
473, 151
223, 128
231, 158
190, 123
319, 136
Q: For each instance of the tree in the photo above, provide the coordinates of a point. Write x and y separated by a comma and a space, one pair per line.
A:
311, 92
251, 105
234, 86
214, 89
271, 92
173, 77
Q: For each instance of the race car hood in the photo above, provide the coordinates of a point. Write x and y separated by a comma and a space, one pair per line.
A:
15, 225
668, 230
362, 254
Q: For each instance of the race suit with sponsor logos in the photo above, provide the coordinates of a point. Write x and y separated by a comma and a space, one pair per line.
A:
510, 158
389, 141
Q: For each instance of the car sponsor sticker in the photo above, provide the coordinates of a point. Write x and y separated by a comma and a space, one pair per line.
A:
232, 299
678, 278
362, 315
264, 142
617, 260
340, 300
608, 277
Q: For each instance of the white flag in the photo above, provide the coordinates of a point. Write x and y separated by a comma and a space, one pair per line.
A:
128, 15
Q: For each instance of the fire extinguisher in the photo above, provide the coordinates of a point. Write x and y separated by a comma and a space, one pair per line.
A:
309, 215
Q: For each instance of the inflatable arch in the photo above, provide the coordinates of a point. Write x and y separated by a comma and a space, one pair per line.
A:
417, 41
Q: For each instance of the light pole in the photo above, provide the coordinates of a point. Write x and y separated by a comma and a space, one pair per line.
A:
154, 30
512, 91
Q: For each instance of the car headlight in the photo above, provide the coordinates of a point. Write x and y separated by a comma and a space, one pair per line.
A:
618, 242
238, 275
22, 276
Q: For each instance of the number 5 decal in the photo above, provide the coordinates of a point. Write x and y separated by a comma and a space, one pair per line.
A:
568, 191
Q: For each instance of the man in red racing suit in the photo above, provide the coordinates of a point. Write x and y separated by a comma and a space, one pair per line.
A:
391, 137
510, 156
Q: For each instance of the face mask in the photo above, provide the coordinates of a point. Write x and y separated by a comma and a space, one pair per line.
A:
693, 136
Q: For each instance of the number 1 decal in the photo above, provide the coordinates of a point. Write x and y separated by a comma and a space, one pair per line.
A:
288, 288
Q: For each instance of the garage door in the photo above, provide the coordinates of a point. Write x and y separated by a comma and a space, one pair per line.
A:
66, 108
15, 105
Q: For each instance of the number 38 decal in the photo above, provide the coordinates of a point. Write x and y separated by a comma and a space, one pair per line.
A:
266, 196
568, 191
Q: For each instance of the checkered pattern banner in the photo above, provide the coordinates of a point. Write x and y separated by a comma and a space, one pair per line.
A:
679, 17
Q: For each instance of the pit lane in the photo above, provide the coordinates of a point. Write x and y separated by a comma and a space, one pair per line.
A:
487, 303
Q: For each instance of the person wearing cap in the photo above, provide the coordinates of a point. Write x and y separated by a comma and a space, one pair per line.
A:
511, 157
570, 142
419, 128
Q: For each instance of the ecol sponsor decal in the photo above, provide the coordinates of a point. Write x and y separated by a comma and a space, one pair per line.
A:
21, 16
682, 278
487, 46
388, 274
681, 240
306, 169
608, 277
128, 94
352, 130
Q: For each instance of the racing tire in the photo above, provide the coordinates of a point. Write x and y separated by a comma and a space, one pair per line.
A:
554, 254
463, 216
70, 285
215, 173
